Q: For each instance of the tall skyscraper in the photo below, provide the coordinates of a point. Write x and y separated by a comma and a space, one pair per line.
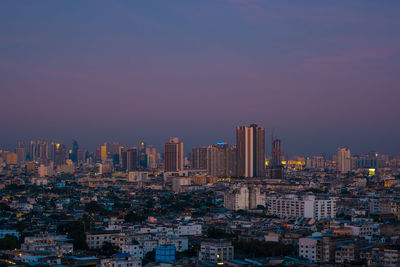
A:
151, 153
199, 158
32, 150
275, 169
174, 155
52, 151
343, 160
103, 152
21, 152
116, 148
276, 153
60, 154
132, 159
142, 156
217, 160
250, 142
232, 162
74, 154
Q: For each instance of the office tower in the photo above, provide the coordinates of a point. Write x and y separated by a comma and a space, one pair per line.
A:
74, 151
52, 151
98, 154
232, 161
132, 160
217, 160
116, 153
21, 152
32, 150
343, 160
103, 152
276, 153
123, 161
61, 152
39, 151
142, 156
275, 170
199, 158
108, 147
151, 153
250, 142
45, 149
318, 162
174, 155
82, 155
116, 148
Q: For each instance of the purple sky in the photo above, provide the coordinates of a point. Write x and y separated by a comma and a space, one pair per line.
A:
320, 73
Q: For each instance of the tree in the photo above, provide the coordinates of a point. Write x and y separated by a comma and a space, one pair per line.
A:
108, 249
132, 217
257, 248
9, 242
75, 231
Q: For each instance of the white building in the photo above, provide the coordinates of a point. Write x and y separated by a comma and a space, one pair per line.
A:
307, 206
135, 250
58, 244
309, 248
237, 198
188, 229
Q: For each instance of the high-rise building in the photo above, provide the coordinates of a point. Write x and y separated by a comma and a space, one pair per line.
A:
39, 150
21, 152
132, 159
250, 142
343, 160
174, 155
116, 153
32, 150
142, 156
232, 162
74, 152
276, 153
318, 162
60, 154
244, 197
103, 152
116, 148
151, 153
217, 160
52, 151
199, 158
276, 170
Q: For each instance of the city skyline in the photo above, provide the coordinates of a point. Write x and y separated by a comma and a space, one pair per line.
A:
321, 74
187, 150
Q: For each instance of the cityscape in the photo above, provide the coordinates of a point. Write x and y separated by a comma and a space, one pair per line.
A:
238, 133
219, 204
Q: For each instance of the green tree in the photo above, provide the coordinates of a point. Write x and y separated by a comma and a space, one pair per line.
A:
108, 249
75, 231
132, 217
9, 242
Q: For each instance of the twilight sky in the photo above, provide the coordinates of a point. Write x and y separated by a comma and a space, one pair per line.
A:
320, 73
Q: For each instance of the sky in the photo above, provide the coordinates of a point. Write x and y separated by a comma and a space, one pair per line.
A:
319, 74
